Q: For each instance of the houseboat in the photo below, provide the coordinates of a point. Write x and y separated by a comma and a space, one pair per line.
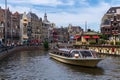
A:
80, 57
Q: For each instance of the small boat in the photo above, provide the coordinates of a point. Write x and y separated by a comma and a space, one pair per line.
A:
80, 57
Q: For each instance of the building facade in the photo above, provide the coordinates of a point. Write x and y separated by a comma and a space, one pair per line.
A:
15, 27
12, 29
5, 25
2, 19
1, 32
8, 26
34, 27
74, 32
23, 27
110, 24
90, 37
46, 29
64, 34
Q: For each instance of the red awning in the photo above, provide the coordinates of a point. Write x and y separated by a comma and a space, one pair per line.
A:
76, 37
96, 37
86, 36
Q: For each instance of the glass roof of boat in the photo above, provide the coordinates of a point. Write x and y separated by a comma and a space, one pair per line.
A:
66, 49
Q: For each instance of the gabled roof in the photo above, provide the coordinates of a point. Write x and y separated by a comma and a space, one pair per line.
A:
113, 9
16, 13
32, 15
91, 33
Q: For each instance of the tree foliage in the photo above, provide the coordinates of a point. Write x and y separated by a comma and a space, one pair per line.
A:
46, 45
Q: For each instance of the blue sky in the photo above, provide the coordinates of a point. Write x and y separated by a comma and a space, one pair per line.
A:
65, 12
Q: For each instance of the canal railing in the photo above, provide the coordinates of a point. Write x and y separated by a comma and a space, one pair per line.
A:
103, 49
106, 49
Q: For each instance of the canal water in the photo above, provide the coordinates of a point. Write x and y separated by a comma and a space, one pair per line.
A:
37, 65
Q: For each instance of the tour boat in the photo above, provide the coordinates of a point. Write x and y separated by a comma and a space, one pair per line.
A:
80, 57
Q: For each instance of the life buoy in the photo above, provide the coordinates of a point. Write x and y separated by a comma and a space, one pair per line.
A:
76, 55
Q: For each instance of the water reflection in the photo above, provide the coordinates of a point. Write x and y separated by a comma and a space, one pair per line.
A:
37, 65
79, 69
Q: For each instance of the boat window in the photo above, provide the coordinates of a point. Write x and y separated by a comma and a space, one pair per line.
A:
86, 53
75, 52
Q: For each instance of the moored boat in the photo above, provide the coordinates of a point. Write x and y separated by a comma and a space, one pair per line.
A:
80, 57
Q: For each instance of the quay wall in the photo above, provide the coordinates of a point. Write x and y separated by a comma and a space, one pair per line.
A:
19, 48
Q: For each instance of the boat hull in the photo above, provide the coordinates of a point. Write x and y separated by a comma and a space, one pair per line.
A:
88, 62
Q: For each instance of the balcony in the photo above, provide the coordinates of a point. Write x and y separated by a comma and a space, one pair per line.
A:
106, 25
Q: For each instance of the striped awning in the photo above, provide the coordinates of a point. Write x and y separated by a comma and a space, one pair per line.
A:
76, 37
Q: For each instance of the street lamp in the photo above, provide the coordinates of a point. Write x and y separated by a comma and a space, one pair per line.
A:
49, 33
5, 22
11, 29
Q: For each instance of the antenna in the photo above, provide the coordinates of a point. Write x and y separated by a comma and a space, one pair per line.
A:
30, 10
45, 10
111, 3
85, 26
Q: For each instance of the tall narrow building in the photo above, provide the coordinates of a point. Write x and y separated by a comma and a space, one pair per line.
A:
46, 28
23, 27
34, 26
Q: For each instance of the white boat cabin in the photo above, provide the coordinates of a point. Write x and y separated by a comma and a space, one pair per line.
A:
75, 53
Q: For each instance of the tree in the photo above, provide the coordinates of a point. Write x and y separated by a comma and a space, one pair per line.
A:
104, 37
46, 46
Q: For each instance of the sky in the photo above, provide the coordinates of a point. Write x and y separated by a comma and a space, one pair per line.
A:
65, 12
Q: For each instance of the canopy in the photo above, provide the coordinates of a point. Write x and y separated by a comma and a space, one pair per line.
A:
86, 36
96, 37
76, 37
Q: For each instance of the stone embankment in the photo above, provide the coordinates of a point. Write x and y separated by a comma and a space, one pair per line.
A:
7, 51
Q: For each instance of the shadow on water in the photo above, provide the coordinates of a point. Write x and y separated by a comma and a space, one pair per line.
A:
82, 69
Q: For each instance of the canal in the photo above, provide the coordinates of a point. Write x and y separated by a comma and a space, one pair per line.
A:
37, 65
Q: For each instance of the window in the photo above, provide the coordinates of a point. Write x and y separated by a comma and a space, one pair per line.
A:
86, 53
75, 52
106, 22
113, 11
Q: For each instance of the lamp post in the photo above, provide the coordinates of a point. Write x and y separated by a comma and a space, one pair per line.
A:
11, 29
5, 22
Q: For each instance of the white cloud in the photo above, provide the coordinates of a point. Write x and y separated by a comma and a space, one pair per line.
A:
19, 9
92, 15
84, 2
115, 2
43, 2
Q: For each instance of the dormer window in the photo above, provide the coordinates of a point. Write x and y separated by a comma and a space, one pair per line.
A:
113, 11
